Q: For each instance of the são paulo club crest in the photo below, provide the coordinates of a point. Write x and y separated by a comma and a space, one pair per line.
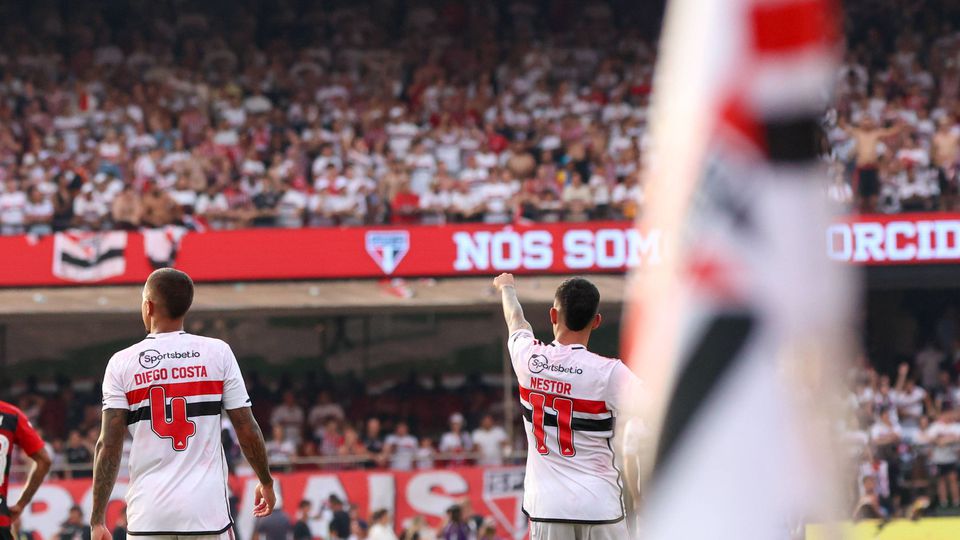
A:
387, 248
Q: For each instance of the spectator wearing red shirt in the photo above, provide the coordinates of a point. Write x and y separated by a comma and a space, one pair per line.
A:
405, 206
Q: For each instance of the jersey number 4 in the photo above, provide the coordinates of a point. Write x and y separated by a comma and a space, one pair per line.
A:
564, 408
178, 428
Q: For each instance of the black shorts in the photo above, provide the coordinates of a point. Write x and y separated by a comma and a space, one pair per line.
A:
944, 469
947, 187
5, 533
868, 182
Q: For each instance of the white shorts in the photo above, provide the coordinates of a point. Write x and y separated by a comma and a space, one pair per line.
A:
227, 535
540, 530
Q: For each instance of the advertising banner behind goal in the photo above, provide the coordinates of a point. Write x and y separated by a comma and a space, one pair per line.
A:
493, 492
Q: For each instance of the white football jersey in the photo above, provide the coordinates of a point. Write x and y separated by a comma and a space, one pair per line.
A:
570, 400
175, 386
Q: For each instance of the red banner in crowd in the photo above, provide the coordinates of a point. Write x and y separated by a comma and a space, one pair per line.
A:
417, 251
493, 492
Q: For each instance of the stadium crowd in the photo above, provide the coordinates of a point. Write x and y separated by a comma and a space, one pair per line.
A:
893, 134
322, 114
903, 431
427, 113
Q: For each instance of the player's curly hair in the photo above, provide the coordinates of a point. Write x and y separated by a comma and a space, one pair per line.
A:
578, 301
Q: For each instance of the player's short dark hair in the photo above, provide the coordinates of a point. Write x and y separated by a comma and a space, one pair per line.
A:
578, 301
172, 290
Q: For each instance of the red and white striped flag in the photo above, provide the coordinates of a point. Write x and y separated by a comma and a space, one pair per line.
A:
731, 332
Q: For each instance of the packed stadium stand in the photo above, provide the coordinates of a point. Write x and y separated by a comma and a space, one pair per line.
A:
323, 115
232, 115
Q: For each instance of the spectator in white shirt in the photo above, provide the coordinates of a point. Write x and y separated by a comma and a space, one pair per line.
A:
577, 199
486, 159
473, 173
422, 166
425, 454
884, 432
13, 204
491, 442
917, 189
38, 212
434, 205
279, 448
456, 441
257, 103
111, 153
839, 192
401, 134
212, 205
185, 197
89, 211
380, 526
883, 399
909, 398
600, 186
323, 410
325, 160
464, 204
945, 436
627, 197
289, 416
291, 207
401, 448
496, 195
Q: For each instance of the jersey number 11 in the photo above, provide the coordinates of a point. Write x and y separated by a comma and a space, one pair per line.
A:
564, 408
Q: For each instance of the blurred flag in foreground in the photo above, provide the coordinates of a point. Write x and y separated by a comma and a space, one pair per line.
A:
739, 335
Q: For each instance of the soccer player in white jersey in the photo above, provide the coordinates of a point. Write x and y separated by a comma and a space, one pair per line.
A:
570, 398
168, 391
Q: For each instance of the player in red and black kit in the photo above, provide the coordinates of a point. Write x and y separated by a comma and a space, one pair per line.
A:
15, 429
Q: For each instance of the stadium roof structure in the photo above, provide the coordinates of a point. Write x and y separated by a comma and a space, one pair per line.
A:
315, 297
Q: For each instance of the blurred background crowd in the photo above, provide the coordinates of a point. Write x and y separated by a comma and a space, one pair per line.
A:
404, 427
300, 114
413, 424
294, 114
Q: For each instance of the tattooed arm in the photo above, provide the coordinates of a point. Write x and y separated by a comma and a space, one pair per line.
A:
254, 449
512, 311
106, 464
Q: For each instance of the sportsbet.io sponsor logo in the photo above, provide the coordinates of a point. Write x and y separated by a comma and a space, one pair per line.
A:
539, 362
151, 357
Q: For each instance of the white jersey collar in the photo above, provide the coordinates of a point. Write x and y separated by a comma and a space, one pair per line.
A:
161, 335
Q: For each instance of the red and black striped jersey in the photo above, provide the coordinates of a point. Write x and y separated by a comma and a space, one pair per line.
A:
15, 430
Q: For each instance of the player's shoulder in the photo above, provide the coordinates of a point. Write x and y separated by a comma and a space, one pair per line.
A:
523, 334
600, 360
132, 350
604, 367
10, 408
207, 341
